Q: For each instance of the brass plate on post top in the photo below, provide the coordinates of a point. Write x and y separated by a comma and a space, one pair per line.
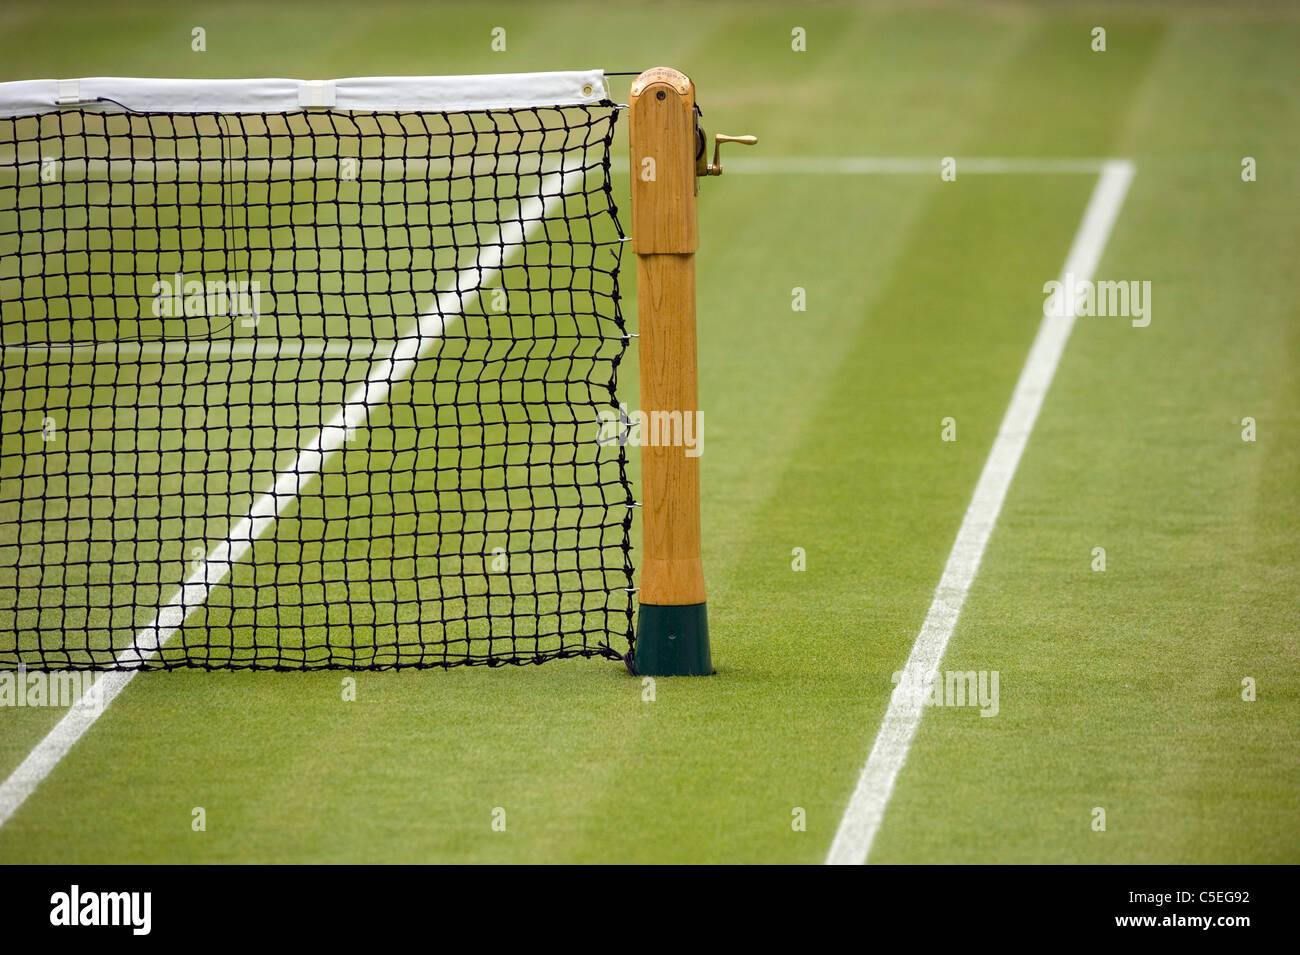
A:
662, 74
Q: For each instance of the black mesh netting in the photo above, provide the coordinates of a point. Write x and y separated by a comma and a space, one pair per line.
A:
310, 389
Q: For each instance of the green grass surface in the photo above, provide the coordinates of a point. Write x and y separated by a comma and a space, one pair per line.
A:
1118, 689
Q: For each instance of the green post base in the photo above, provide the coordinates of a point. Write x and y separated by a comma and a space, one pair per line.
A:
673, 641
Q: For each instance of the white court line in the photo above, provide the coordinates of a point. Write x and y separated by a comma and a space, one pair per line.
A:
212, 349
905, 165
910, 165
311, 460
866, 807
217, 168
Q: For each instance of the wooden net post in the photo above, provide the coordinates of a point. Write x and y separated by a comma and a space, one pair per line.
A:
672, 627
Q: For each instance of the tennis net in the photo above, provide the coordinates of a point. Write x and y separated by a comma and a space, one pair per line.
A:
303, 375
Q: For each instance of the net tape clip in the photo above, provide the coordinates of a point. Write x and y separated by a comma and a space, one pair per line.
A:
316, 94
69, 93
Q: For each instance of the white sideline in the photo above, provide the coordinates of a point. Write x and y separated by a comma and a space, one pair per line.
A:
210, 349
184, 170
311, 459
894, 165
861, 820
